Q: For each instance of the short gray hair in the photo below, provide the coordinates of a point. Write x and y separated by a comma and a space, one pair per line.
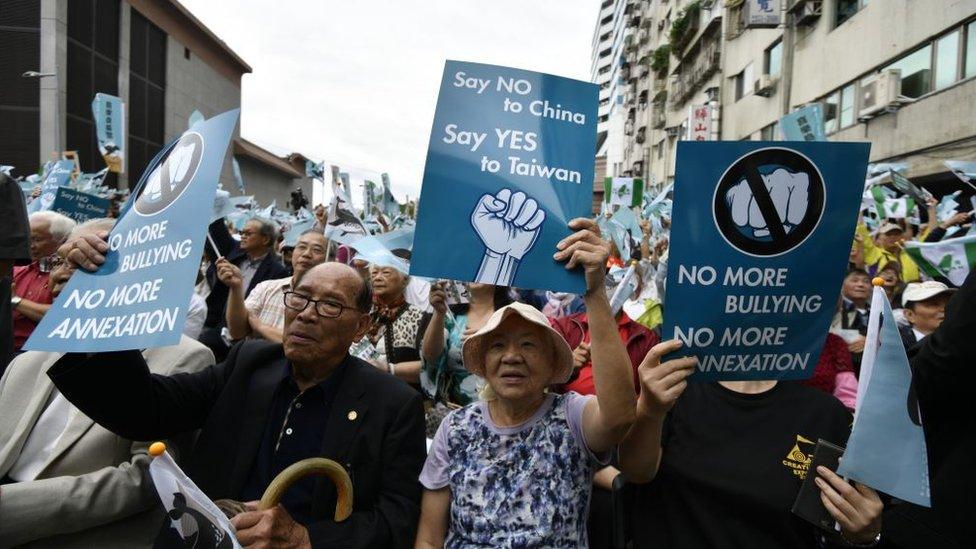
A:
267, 228
94, 225
60, 226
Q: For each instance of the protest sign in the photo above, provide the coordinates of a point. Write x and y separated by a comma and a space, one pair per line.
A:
510, 163
138, 298
965, 171
803, 124
109, 114
78, 205
886, 449
759, 245
905, 186
57, 175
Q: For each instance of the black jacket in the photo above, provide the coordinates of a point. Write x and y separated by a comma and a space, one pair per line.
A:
944, 375
269, 269
382, 445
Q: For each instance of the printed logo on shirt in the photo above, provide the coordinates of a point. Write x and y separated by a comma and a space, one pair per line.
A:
799, 457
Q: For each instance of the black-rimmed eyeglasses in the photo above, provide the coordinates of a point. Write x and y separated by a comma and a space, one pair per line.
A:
325, 308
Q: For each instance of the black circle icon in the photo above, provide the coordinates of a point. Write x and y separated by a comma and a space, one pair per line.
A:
172, 176
777, 236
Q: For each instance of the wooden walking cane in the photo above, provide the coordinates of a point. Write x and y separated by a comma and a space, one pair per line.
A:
292, 474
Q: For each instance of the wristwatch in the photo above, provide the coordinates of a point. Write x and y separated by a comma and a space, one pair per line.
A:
14, 301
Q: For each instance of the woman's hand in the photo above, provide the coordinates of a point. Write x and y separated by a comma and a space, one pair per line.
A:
856, 508
438, 297
585, 248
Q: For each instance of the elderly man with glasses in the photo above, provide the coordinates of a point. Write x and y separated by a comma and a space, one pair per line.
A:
270, 405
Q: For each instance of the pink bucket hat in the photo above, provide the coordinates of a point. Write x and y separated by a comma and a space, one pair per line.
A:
475, 347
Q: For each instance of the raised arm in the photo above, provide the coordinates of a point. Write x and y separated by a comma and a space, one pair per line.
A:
118, 392
661, 385
607, 418
433, 344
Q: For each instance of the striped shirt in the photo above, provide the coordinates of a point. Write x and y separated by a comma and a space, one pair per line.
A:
267, 301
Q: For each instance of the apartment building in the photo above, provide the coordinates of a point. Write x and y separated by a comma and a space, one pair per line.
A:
155, 55
898, 73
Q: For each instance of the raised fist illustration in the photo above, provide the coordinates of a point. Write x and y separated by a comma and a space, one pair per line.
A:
788, 192
508, 223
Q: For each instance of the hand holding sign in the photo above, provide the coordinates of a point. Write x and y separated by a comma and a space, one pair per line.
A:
585, 248
229, 274
85, 250
662, 383
788, 193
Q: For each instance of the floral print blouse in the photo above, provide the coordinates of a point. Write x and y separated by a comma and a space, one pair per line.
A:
522, 486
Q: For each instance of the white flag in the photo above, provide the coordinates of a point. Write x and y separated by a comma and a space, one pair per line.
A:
191, 513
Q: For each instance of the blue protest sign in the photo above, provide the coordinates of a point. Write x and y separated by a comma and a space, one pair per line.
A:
295, 230
78, 205
195, 118
108, 112
58, 174
138, 298
510, 163
804, 124
760, 239
886, 449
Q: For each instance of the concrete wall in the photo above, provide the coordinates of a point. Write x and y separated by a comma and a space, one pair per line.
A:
874, 36
267, 184
751, 113
192, 84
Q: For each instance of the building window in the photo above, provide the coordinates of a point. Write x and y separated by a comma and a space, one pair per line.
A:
93, 67
773, 59
659, 149
831, 104
743, 82
770, 132
916, 72
970, 50
20, 50
147, 86
847, 106
847, 8
946, 60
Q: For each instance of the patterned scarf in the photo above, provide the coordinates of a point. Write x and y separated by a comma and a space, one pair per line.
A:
384, 314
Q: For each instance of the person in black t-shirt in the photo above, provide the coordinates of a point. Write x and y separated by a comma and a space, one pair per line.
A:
724, 462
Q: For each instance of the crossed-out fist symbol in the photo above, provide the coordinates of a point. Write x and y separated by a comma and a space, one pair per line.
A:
508, 223
788, 192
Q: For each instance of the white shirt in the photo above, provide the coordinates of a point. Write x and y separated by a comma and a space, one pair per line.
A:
43, 438
417, 294
919, 336
195, 316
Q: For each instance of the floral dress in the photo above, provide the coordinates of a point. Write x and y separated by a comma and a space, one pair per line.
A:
446, 379
522, 486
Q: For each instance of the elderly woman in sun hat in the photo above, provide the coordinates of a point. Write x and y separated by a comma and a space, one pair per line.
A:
515, 468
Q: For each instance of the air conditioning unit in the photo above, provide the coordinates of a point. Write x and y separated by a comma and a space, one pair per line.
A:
805, 12
673, 131
880, 92
765, 86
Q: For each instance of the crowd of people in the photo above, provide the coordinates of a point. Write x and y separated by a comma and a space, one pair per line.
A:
467, 415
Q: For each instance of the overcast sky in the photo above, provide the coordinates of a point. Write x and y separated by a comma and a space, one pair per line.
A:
355, 82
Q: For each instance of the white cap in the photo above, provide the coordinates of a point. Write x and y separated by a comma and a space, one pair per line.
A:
888, 227
920, 291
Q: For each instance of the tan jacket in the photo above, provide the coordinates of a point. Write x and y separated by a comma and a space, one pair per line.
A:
95, 489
